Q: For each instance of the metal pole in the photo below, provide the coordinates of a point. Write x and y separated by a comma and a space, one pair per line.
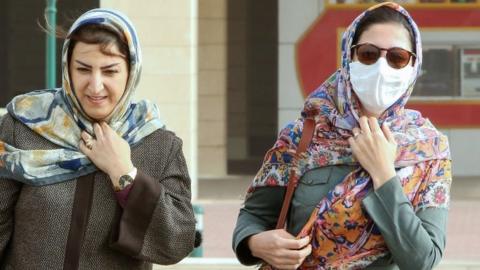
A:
193, 106
199, 212
50, 53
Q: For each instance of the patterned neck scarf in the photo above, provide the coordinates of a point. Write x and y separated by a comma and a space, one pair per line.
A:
350, 240
56, 115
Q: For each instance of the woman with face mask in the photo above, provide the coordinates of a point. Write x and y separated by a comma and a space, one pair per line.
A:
372, 183
89, 178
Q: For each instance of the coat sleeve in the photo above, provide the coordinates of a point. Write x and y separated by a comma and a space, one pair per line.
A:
9, 190
416, 240
157, 223
259, 213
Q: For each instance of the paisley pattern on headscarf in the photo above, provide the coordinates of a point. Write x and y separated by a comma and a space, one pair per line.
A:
56, 115
343, 236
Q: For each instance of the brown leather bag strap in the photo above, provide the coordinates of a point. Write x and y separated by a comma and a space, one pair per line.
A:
307, 134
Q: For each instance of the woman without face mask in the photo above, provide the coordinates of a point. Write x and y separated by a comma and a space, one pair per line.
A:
94, 174
40, 110
374, 178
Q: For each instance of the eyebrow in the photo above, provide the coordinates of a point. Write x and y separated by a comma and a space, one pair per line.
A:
89, 66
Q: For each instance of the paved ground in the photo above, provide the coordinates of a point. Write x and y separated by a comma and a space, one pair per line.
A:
221, 199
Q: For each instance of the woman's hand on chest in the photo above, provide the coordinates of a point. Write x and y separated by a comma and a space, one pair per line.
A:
108, 151
375, 149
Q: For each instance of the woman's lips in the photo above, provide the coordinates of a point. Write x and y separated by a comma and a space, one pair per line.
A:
97, 99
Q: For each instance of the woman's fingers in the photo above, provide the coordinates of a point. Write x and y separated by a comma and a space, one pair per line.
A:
353, 144
357, 153
98, 131
280, 248
83, 148
292, 259
356, 131
295, 250
295, 244
388, 133
87, 140
375, 150
304, 252
85, 136
374, 127
364, 126
297, 254
106, 129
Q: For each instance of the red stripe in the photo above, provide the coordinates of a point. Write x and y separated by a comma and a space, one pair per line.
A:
475, 52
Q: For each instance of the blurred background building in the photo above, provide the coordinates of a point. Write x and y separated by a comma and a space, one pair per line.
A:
228, 74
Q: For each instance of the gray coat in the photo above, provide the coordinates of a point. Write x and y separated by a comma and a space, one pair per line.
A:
79, 224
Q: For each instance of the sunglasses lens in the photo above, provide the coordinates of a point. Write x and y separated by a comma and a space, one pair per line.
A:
398, 58
368, 54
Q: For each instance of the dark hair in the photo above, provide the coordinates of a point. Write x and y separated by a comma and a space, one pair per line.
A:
383, 15
99, 34
90, 34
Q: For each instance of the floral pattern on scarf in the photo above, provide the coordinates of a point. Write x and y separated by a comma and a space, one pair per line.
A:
343, 236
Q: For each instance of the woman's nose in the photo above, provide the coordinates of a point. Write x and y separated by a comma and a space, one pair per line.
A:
96, 82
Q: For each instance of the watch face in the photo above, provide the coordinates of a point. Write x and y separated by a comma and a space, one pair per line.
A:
125, 180
126, 177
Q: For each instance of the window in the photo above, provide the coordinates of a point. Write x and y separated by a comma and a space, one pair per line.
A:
470, 72
451, 64
437, 77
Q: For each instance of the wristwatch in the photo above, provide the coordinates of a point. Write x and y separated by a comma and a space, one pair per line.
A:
126, 179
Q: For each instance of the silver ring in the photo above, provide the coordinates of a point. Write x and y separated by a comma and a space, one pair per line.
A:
355, 135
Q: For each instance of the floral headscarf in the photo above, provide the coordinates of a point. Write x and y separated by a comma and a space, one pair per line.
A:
422, 163
56, 115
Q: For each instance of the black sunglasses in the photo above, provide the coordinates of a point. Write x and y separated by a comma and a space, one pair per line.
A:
396, 57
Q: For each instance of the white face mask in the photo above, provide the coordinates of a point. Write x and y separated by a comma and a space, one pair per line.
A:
378, 86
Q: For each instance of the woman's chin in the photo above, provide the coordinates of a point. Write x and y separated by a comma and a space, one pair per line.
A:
97, 116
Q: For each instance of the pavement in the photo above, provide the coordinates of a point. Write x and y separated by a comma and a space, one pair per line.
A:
222, 199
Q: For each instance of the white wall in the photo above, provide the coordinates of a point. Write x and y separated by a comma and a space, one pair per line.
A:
294, 20
212, 88
465, 147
